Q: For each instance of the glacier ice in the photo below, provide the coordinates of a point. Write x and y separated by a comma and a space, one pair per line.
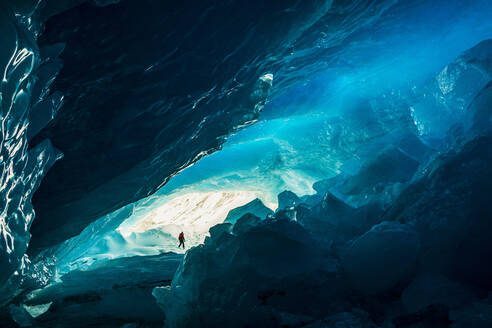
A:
429, 288
250, 261
381, 174
478, 118
334, 257
287, 199
445, 101
94, 297
151, 227
25, 81
389, 166
381, 258
333, 222
151, 101
255, 207
477, 314
448, 208
279, 270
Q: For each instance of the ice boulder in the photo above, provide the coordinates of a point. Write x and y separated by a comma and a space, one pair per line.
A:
219, 234
389, 166
268, 274
108, 294
255, 207
332, 220
360, 319
326, 185
476, 121
428, 289
433, 316
476, 315
381, 258
479, 115
413, 146
274, 248
21, 316
245, 223
446, 98
330, 210
217, 230
287, 199
449, 206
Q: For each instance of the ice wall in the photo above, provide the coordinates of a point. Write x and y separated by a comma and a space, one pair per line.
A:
26, 106
156, 97
420, 263
368, 152
155, 102
395, 131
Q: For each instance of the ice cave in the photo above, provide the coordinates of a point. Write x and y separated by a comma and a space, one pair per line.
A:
327, 162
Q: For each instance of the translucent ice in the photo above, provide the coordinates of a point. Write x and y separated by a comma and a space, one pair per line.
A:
24, 82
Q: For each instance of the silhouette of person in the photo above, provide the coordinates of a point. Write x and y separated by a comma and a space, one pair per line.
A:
181, 240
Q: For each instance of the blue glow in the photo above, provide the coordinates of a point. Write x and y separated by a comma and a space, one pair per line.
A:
291, 147
359, 102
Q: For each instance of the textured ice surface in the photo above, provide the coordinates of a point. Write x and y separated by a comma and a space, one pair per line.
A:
386, 160
448, 206
355, 88
332, 221
337, 266
197, 211
428, 288
255, 207
155, 101
381, 258
149, 227
25, 81
446, 99
477, 314
255, 263
287, 199
95, 297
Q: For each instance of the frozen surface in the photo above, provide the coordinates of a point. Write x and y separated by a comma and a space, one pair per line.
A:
149, 228
445, 100
339, 74
353, 174
25, 81
427, 289
257, 263
255, 207
197, 211
448, 208
332, 264
94, 297
381, 258
159, 95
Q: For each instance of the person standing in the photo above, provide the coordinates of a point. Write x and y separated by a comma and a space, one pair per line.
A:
181, 240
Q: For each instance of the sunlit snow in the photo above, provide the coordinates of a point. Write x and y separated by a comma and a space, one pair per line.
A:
193, 213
